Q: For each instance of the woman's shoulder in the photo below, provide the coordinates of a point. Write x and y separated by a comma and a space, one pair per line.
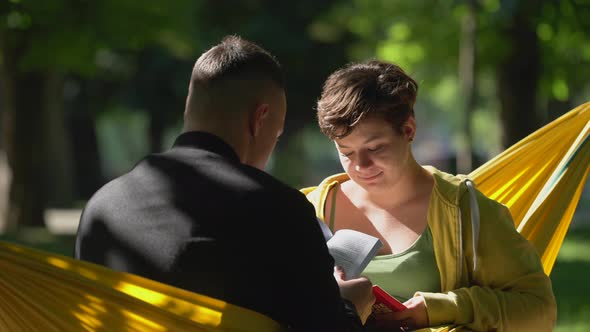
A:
325, 185
448, 187
316, 195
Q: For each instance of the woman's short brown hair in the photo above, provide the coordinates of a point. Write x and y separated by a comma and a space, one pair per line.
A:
365, 89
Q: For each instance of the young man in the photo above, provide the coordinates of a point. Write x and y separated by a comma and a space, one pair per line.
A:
203, 216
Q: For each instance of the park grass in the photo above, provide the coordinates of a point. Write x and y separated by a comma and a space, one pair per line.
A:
570, 275
571, 282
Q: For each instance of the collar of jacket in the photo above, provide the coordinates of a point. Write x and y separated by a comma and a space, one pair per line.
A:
206, 141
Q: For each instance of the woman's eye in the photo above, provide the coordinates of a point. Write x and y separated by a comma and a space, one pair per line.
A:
347, 154
377, 148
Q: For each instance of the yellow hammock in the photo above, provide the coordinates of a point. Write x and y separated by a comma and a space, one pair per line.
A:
540, 179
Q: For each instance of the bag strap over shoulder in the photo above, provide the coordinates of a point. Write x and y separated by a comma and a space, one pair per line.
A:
474, 219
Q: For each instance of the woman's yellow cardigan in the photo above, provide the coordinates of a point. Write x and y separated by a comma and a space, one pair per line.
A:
506, 290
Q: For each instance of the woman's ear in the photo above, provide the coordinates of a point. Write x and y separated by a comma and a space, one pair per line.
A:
409, 128
257, 118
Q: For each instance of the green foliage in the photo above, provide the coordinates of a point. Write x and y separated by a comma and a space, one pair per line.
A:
563, 28
420, 36
423, 37
69, 35
409, 33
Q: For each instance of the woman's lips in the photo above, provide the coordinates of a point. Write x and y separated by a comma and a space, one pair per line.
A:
369, 178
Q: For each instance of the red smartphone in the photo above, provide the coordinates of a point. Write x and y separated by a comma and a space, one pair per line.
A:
384, 302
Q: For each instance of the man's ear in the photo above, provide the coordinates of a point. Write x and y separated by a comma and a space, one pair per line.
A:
257, 118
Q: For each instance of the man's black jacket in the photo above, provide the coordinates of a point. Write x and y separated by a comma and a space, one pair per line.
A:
196, 218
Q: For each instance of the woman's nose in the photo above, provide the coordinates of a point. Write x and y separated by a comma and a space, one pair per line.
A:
362, 162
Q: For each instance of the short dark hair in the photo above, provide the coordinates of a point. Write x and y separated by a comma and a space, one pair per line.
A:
374, 88
236, 58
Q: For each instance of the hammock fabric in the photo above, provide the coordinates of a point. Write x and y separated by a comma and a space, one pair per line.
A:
540, 179
46, 292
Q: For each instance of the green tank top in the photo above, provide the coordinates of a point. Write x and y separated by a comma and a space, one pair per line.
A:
405, 273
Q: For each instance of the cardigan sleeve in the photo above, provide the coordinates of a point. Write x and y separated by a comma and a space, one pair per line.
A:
508, 291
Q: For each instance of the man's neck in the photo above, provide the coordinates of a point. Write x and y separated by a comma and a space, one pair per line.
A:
234, 136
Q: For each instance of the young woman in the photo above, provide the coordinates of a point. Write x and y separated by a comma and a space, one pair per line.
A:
448, 267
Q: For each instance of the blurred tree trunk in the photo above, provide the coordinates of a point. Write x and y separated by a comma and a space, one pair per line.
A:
33, 136
517, 78
467, 59
24, 145
161, 100
60, 180
85, 100
88, 175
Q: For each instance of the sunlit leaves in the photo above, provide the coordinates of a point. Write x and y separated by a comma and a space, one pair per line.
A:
490, 6
560, 90
563, 30
422, 36
400, 48
444, 94
545, 32
405, 54
399, 32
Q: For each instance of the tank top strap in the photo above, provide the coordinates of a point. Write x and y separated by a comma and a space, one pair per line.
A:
333, 209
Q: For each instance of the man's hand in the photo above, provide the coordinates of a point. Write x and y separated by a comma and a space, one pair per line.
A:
358, 291
413, 318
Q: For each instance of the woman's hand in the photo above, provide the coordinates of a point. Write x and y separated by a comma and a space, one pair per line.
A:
415, 317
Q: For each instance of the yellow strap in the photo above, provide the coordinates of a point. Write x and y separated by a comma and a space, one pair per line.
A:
333, 209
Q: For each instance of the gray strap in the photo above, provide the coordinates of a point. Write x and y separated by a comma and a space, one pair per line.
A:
474, 219
325, 230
